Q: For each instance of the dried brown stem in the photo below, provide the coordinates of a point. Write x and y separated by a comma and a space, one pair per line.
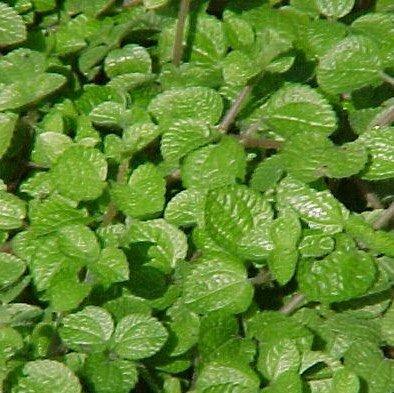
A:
385, 118
387, 78
293, 304
259, 143
262, 277
177, 52
370, 197
385, 218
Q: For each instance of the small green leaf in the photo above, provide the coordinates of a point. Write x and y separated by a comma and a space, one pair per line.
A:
318, 208
79, 173
11, 269
335, 8
212, 283
338, 277
110, 376
238, 31
199, 103
47, 376
344, 381
267, 173
138, 336
7, 126
239, 219
139, 135
315, 244
107, 114
12, 28
388, 326
12, 211
143, 196
88, 330
351, 64
282, 263
10, 342
288, 381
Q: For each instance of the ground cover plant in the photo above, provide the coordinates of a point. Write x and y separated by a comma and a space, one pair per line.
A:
196, 196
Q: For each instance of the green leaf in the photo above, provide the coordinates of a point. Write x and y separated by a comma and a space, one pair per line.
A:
344, 381
78, 242
139, 135
289, 381
199, 103
214, 165
338, 277
11, 269
10, 342
282, 263
277, 358
239, 219
48, 147
319, 209
7, 126
12, 28
186, 208
143, 196
30, 91
351, 64
267, 173
79, 173
182, 137
12, 211
298, 108
388, 326
216, 378
213, 281
129, 59
111, 267
315, 244
107, 114
138, 336
238, 31
335, 8
169, 245
110, 376
88, 330
380, 145
379, 28
47, 376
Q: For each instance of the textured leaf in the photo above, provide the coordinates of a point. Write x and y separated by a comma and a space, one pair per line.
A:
88, 330
12, 211
338, 277
199, 103
46, 376
335, 8
267, 173
380, 145
351, 64
143, 196
319, 209
214, 165
138, 336
344, 381
140, 135
10, 342
7, 126
11, 268
238, 31
212, 283
315, 244
239, 219
110, 376
296, 108
107, 114
388, 326
289, 381
129, 59
79, 173
182, 137
12, 28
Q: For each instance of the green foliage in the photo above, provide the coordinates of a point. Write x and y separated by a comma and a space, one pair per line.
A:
222, 225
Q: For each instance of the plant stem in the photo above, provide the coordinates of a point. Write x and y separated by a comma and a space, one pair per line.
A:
387, 78
177, 52
294, 303
6, 247
236, 106
370, 197
121, 176
385, 218
262, 277
250, 142
385, 118
131, 3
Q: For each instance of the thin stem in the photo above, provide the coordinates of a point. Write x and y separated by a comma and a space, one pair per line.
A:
385, 118
177, 52
259, 143
121, 176
294, 303
131, 3
6, 247
387, 78
370, 197
235, 108
385, 218
173, 177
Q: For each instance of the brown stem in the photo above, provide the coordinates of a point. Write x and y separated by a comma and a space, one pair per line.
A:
111, 212
293, 304
235, 108
259, 143
385, 118
177, 52
385, 218
132, 3
6, 247
173, 177
262, 277
387, 78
